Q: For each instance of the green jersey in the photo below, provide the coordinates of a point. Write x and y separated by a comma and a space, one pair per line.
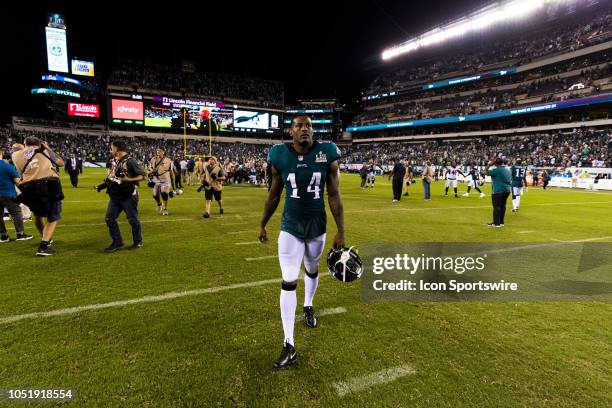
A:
518, 176
501, 179
304, 178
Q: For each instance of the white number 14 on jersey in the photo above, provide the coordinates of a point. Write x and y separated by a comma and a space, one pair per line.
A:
313, 186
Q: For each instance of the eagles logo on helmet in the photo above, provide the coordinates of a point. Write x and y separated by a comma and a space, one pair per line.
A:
344, 264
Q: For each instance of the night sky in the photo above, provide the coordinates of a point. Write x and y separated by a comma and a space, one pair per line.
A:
319, 49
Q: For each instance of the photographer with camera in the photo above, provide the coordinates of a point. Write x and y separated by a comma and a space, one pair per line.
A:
41, 189
212, 181
8, 179
161, 179
120, 185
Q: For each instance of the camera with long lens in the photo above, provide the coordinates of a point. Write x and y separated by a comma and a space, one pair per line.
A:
110, 180
203, 186
151, 176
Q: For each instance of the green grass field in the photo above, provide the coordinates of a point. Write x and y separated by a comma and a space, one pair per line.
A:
216, 347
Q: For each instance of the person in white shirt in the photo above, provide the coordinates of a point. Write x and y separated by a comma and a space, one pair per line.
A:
183, 164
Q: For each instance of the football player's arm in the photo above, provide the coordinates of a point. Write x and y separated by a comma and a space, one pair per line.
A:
335, 202
274, 194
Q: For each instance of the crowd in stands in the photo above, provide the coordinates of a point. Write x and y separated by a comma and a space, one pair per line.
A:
582, 64
587, 147
197, 83
242, 162
549, 89
581, 148
562, 38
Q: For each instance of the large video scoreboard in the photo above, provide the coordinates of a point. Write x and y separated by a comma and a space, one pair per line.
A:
197, 115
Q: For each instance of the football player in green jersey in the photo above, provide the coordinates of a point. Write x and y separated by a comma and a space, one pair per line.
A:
519, 181
303, 168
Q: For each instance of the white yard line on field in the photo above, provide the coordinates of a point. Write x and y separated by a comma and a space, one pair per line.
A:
240, 232
177, 198
196, 292
580, 191
386, 210
387, 375
124, 222
581, 240
247, 243
466, 207
260, 258
144, 299
328, 312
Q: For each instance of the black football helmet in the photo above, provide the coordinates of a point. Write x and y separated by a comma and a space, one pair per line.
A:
344, 264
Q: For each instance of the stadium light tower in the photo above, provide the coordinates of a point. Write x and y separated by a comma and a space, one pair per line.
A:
479, 20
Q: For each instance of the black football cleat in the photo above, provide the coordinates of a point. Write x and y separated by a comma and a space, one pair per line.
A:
48, 251
287, 358
309, 317
221, 211
206, 215
114, 247
135, 245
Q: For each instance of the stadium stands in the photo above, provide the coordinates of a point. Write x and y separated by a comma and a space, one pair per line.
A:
578, 147
511, 52
563, 59
144, 76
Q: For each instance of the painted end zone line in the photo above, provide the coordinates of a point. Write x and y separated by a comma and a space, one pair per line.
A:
381, 377
145, 299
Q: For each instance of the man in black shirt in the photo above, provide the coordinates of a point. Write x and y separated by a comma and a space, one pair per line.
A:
121, 184
363, 173
398, 179
545, 179
73, 167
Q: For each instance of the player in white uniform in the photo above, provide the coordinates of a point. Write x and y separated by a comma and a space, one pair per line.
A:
450, 175
371, 178
474, 182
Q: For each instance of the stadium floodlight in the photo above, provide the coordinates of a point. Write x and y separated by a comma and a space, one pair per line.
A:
479, 20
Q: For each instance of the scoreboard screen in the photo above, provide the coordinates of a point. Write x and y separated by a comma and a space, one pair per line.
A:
57, 49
